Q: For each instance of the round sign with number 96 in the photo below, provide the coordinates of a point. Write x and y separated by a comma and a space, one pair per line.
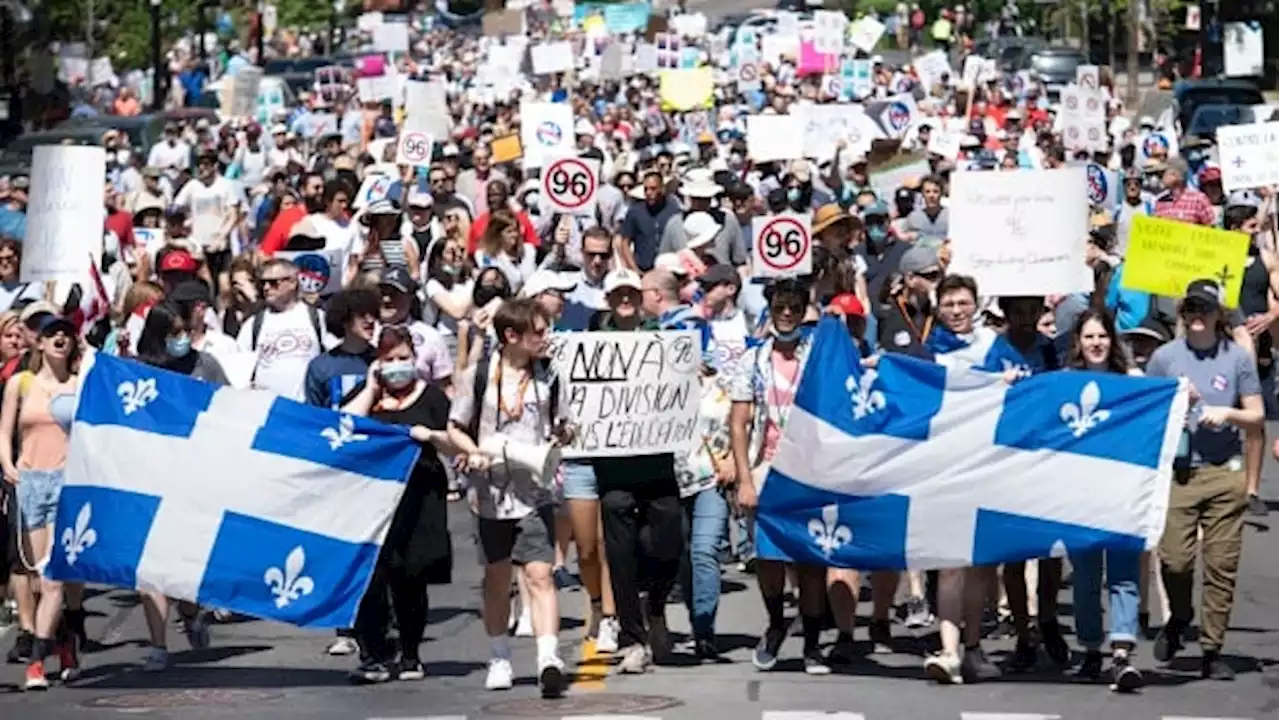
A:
779, 242
416, 147
569, 185
783, 246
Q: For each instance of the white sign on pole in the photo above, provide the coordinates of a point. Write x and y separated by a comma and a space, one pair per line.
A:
64, 213
781, 246
866, 34
569, 185
828, 31
945, 144
1018, 232
775, 137
391, 37
1087, 77
630, 393
546, 129
240, 98
1249, 155
1242, 49
552, 57
415, 142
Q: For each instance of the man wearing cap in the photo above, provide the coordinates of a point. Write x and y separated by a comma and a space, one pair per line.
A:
1208, 492
727, 244
214, 204
1180, 202
155, 189
172, 155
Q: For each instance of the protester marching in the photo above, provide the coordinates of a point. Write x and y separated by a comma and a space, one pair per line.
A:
631, 308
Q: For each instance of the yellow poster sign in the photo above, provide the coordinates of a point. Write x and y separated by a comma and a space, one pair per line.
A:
687, 89
1164, 256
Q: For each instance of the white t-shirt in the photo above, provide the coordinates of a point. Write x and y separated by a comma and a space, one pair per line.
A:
516, 273
286, 344
170, 159
336, 237
210, 206
9, 294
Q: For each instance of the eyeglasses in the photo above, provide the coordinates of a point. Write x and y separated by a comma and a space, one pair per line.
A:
930, 275
272, 282
597, 255
788, 306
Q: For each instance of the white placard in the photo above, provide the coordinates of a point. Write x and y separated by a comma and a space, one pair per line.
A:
64, 213
238, 366
240, 100
828, 31
376, 89
1242, 49
373, 188
570, 184
931, 67
319, 271
945, 144
825, 125
630, 393
552, 57
1019, 233
546, 129
1087, 77
1249, 155
421, 124
781, 246
429, 101
391, 37
900, 114
866, 33
775, 137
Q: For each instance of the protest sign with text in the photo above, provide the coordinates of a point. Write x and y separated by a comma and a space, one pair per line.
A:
630, 393
1020, 232
64, 213
1164, 256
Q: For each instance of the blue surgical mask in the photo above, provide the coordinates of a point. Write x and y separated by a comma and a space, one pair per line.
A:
398, 373
877, 234
793, 195
178, 347
1195, 157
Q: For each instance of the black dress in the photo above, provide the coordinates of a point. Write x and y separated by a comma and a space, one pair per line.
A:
418, 542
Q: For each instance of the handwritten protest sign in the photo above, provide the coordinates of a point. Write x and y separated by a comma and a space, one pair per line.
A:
1020, 232
64, 213
1249, 155
1164, 256
630, 393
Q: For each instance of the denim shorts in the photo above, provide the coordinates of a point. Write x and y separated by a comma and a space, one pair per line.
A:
580, 481
38, 492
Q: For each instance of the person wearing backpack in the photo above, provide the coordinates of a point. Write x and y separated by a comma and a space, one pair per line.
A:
285, 334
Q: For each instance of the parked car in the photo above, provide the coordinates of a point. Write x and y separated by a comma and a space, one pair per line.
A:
16, 157
1206, 120
1056, 66
1188, 95
143, 130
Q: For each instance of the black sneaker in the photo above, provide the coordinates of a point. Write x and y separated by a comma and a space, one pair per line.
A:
1054, 646
1125, 678
371, 672
881, 637
1144, 625
564, 579
843, 653
1257, 506
765, 656
1003, 629
1091, 668
1025, 657
706, 650
20, 653
1168, 641
1213, 667
815, 664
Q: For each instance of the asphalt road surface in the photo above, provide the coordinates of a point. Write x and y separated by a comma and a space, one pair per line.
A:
265, 670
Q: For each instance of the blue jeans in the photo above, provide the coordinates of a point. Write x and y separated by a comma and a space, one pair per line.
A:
1122, 607
706, 525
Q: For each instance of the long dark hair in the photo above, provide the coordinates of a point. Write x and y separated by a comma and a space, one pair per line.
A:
1117, 359
161, 320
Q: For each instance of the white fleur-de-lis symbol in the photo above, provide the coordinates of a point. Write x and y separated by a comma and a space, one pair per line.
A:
1021, 370
290, 584
135, 395
80, 538
1084, 417
828, 532
343, 434
865, 400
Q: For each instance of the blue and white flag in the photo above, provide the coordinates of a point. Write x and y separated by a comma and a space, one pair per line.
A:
984, 349
233, 499
918, 465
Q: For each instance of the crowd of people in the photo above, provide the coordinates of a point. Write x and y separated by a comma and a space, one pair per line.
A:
444, 286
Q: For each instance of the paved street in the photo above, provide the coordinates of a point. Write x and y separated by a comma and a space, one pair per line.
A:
261, 670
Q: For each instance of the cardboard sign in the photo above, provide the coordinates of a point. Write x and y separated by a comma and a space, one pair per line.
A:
64, 213
781, 246
506, 149
1164, 256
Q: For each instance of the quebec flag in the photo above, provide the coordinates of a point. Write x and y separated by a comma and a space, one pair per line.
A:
233, 499
917, 465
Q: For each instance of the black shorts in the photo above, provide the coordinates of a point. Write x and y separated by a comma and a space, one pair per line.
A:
530, 539
218, 261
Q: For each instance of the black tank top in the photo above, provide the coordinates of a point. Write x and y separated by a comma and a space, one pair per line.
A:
1255, 287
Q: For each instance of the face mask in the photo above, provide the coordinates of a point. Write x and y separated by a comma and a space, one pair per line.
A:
793, 195
450, 270
123, 156
485, 294
1195, 157
178, 347
314, 204
877, 234
397, 374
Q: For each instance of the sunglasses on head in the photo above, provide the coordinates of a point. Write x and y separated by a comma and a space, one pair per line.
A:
930, 275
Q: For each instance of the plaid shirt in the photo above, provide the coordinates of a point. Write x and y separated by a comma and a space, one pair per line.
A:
1187, 205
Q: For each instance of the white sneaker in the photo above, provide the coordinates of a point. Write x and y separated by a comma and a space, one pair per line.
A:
524, 626
499, 677
607, 636
343, 646
157, 661
944, 668
635, 660
551, 677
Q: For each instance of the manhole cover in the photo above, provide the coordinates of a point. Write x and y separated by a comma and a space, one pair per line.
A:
180, 698
585, 704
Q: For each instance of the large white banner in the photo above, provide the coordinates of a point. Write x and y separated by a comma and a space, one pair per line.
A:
1249, 155
64, 213
1021, 232
630, 393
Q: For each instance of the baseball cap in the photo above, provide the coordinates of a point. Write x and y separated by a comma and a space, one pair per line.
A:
190, 291
1151, 328
1204, 290
619, 279
918, 259
178, 260
52, 324
671, 263
544, 280
848, 304
33, 315
398, 279
876, 208
719, 274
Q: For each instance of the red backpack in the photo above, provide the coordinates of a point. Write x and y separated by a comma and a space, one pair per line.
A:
917, 19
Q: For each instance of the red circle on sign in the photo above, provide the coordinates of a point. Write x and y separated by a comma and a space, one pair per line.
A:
419, 139
783, 226
747, 73
566, 198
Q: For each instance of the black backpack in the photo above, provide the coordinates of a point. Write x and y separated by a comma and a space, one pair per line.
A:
481, 384
260, 317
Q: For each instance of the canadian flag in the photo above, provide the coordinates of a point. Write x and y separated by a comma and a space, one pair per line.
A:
85, 306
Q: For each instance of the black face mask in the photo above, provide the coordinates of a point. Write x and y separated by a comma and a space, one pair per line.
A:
314, 203
485, 294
